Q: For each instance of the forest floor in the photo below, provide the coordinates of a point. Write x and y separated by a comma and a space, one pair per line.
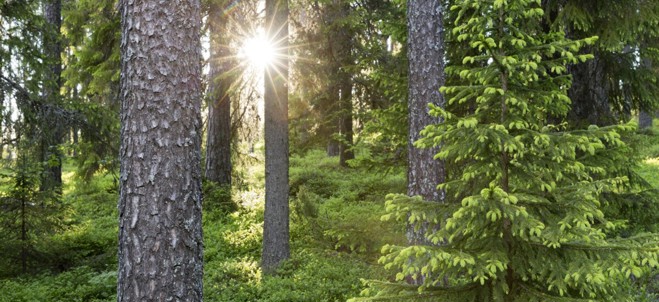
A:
336, 235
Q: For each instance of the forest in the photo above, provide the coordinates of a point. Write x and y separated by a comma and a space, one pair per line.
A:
329, 150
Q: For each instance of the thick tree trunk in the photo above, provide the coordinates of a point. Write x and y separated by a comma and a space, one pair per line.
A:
590, 93
218, 139
160, 234
52, 128
426, 76
276, 222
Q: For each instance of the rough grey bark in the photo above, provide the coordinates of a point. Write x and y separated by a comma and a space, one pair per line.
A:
590, 93
426, 76
276, 222
51, 126
218, 139
160, 234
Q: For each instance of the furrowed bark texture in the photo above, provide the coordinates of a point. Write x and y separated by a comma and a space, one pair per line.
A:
218, 139
426, 75
276, 223
160, 235
52, 131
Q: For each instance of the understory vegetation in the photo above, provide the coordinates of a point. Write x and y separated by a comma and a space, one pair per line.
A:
336, 235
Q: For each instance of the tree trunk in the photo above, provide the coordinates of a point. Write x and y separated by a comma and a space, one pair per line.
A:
342, 46
24, 241
644, 117
590, 93
426, 76
160, 234
644, 120
345, 100
218, 139
51, 125
276, 222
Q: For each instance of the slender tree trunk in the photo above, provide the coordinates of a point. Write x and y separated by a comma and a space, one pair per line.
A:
342, 46
218, 139
345, 99
645, 118
590, 93
276, 222
160, 234
24, 241
426, 76
51, 125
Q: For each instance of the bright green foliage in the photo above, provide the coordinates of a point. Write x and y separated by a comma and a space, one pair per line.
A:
523, 219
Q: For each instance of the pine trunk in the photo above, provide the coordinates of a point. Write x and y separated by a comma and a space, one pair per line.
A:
345, 99
51, 125
343, 55
644, 120
590, 93
426, 76
218, 139
160, 234
276, 222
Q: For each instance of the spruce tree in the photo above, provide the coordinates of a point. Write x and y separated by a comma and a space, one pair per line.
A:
522, 219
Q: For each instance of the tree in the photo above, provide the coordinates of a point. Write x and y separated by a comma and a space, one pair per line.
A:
51, 125
523, 199
276, 217
606, 89
160, 235
341, 45
218, 141
426, 74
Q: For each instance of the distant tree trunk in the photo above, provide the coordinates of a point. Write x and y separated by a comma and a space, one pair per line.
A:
333, 148
52, 125
160, 234
276, 222
345, 99
75, 138
24, 239
426, 76
344, 57
644, 117
218, 139
644, 120
590, 93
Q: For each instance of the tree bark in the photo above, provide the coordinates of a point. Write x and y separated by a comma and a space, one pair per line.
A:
218, 139
590, 93
644, 120
276, 247
345, 100
52, 128
342, 51
426, 76
160, 234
